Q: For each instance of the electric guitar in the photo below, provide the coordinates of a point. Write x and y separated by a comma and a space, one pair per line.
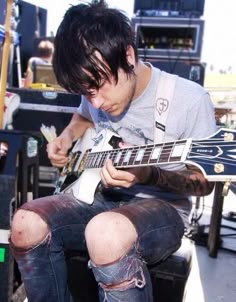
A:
215, 156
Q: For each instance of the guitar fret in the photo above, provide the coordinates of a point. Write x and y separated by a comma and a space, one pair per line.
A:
139, 155
99, 159
88, 161
93, 160
127, 156
104, 157
96, 159
113, 155
165, 154
118, 156
143, 155
120, 164
155, 155
132, 156
177, 151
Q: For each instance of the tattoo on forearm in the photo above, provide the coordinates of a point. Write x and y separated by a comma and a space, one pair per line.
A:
187, 182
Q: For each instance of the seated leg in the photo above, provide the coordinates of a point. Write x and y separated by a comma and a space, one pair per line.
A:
120, 242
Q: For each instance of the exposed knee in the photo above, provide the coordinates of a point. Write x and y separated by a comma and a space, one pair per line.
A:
109, 236
28, 229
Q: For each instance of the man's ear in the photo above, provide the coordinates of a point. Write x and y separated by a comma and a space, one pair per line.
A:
130, 55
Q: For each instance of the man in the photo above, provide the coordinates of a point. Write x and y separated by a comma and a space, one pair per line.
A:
45, 54
138, 214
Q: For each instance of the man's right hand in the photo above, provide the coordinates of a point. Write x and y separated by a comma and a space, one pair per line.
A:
58, 151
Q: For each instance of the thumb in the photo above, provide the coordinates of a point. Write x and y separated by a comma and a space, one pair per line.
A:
63, 149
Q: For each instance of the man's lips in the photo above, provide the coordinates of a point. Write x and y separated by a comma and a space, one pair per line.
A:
107, 109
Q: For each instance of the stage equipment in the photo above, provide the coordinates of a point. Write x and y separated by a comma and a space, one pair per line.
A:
169, 8
38, 23
46, 107
7, 203
190, 70
168, 38
18, 176
2, 11
44, 73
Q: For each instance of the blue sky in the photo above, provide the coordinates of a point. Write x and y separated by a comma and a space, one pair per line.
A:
219, 39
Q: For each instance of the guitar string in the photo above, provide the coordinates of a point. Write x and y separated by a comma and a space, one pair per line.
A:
208, 162
148, 149
167, 147
135, 150
99, 157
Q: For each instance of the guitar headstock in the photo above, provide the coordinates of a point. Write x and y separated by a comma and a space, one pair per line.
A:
216, 155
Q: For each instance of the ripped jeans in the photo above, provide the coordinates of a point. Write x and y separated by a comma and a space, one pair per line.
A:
130, 267
43, 267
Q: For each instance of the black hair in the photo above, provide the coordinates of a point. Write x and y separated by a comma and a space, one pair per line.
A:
90, 46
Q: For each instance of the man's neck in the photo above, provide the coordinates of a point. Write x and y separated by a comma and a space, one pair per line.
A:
143, 76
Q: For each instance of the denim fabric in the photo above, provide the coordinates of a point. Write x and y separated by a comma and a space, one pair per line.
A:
43, 267
130, 267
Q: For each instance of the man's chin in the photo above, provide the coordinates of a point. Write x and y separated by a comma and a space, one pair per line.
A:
114, 112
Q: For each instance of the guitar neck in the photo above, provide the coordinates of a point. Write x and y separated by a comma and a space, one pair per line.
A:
146, 155
215, 155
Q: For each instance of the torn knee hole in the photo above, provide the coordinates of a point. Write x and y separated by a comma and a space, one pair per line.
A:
136, 281
28, 229
19, 243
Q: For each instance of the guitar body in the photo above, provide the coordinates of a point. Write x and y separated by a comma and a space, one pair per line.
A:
85, 186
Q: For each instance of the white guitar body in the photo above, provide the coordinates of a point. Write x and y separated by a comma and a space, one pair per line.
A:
85, 186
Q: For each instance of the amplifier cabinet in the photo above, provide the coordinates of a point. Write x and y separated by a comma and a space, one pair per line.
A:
7, 205
169, 38
2, 11
169, 7
50, 108
37, 107
191, 70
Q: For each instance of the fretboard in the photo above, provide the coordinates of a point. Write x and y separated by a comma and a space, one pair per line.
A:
145, 155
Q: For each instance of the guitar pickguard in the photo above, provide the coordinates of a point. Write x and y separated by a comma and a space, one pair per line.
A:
85, 186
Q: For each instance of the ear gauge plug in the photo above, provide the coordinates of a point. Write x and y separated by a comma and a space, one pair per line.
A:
131, 66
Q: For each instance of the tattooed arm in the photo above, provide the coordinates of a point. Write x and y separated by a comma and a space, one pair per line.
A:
189, 182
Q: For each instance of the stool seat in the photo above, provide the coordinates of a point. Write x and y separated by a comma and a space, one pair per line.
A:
169, 277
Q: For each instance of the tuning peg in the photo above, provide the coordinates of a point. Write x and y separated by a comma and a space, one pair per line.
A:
226, 188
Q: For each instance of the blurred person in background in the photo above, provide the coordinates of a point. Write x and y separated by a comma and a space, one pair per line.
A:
45, 52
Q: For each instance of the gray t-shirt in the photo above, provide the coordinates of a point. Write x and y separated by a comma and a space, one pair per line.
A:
191, 115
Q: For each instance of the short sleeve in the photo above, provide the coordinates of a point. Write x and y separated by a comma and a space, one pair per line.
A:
200, 122
83, 109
